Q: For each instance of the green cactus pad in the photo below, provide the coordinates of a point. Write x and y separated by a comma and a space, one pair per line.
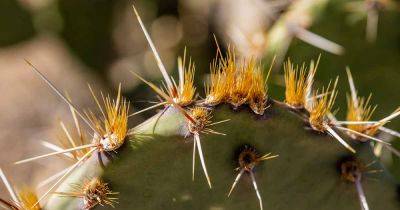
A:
155, 171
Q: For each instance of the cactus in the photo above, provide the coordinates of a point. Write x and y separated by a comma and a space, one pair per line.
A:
154, 169
238, 132
255, 152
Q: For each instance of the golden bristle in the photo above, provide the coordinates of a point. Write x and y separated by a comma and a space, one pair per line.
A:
95, 192
113, 126
188, 90
249, 87
183, 93
222, 79
322, 106
216, 90
361, 111
240, 92
257, 98
117, 120
229, 68
28, 199
368, 131
237, 84
298, 84
201, 116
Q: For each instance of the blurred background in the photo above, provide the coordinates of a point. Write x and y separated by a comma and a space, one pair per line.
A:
76, 42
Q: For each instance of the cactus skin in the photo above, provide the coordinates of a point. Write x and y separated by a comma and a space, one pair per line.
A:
153, 170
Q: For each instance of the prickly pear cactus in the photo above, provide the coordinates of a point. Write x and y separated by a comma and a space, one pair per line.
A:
237, 148
254, 152
153, 170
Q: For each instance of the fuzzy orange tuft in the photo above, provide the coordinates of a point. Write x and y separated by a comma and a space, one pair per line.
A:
201, 116
237, 84
187, 90
257, 97
320, 107
222, 79
298, 84
240, 92
113, 126
360, 111
95, 192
